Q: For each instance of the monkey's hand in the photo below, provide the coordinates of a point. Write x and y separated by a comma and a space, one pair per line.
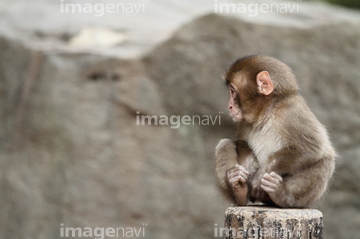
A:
237, 177
272, 183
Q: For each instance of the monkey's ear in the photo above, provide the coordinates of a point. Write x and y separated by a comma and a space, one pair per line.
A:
265, 85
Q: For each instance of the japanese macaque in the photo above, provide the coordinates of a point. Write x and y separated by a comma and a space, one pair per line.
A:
281, 154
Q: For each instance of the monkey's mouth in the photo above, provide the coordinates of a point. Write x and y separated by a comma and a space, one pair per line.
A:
237, 117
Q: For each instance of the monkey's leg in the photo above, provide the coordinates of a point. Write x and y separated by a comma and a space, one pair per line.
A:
228, 156
237, 177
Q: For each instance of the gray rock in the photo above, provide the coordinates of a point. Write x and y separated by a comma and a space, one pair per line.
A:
72, 85
324, 59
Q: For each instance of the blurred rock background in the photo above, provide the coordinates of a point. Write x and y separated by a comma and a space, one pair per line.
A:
73, 84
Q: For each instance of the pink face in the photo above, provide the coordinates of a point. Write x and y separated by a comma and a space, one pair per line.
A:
235, 111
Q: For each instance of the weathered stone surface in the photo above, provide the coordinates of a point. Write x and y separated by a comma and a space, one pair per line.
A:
326, 67
70, 149
272, 223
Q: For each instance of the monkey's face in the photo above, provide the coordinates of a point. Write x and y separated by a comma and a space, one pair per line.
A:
255, 84
234, 105
248, 94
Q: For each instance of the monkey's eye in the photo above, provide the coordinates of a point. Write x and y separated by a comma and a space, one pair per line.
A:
232, 92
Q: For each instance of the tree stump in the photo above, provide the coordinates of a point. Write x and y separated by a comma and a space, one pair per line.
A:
275, 223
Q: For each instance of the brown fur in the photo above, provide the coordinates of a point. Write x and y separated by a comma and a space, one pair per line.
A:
297, 146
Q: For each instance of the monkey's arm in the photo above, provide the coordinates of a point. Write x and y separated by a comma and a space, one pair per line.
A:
298, 180
231, 177
305, 140
292, 159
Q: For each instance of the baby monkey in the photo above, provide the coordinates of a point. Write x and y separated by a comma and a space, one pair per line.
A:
281, 153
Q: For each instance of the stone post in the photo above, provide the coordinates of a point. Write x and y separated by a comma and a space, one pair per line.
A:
275, 223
